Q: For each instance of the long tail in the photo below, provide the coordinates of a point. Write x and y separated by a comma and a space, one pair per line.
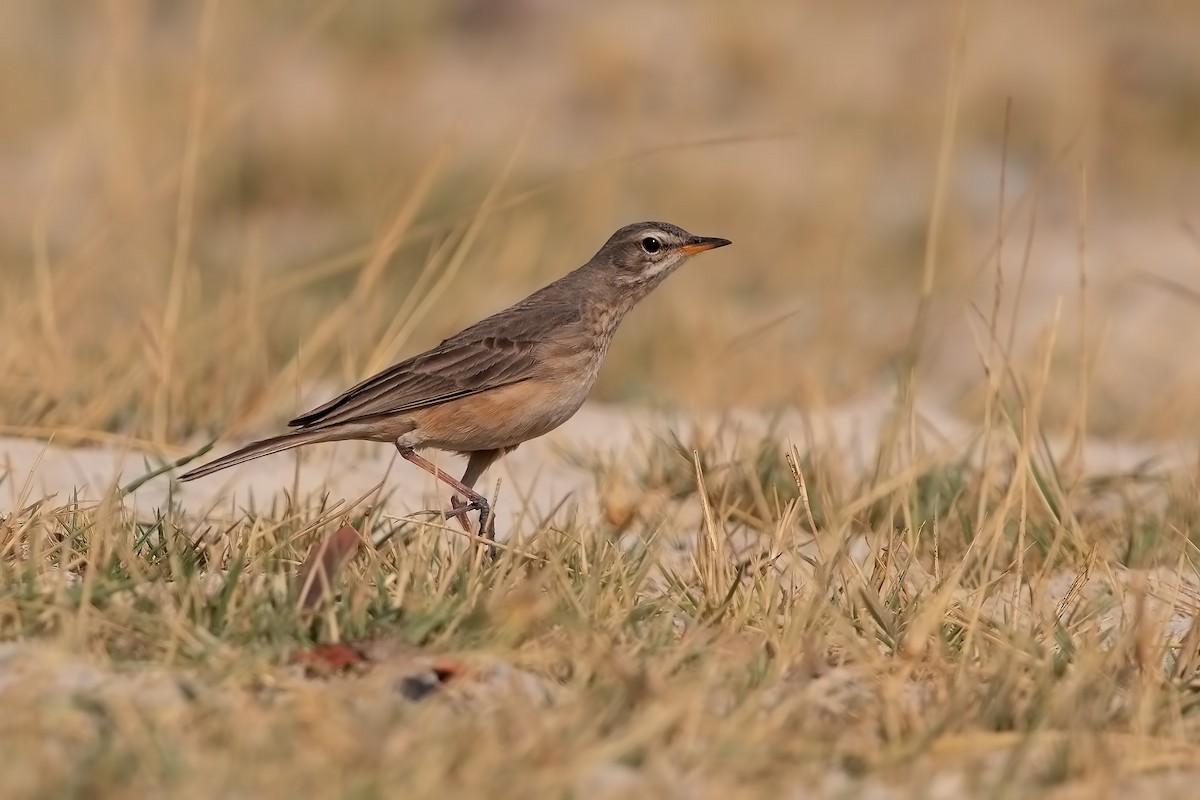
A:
264, 447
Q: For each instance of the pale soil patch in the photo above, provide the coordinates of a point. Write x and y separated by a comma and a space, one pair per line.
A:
539, 477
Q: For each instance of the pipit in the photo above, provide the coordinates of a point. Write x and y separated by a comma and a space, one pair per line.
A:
510, 378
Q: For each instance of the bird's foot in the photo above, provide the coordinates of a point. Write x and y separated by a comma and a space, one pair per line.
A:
487, 520
458, 510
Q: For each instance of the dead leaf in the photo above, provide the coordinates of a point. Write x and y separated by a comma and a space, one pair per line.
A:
320, 568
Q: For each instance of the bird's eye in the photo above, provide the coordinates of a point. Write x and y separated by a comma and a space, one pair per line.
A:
651, 244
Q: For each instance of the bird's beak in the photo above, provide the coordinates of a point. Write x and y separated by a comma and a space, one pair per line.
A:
699, 244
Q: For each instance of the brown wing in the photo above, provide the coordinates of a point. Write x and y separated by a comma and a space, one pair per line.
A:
496, 352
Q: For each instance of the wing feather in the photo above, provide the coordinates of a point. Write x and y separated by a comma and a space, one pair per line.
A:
499, 351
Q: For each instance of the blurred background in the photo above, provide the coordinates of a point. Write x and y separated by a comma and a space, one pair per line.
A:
211, 208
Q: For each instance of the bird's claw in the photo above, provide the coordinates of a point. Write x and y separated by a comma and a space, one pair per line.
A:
475, 504
487, 521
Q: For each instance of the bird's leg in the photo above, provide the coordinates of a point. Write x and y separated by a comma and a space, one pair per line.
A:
458, 510
477, 464
475, 501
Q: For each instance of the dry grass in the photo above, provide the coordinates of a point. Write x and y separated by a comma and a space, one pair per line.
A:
765, 624
213, 205
193, 190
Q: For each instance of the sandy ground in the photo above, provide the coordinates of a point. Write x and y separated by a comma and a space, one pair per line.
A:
535, 481
557, 475
554, 472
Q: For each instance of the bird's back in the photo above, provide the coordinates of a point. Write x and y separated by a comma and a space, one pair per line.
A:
508, 347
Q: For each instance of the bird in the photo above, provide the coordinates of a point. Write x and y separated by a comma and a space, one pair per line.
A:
507, 379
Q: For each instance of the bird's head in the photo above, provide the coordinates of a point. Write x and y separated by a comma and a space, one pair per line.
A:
638, 257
